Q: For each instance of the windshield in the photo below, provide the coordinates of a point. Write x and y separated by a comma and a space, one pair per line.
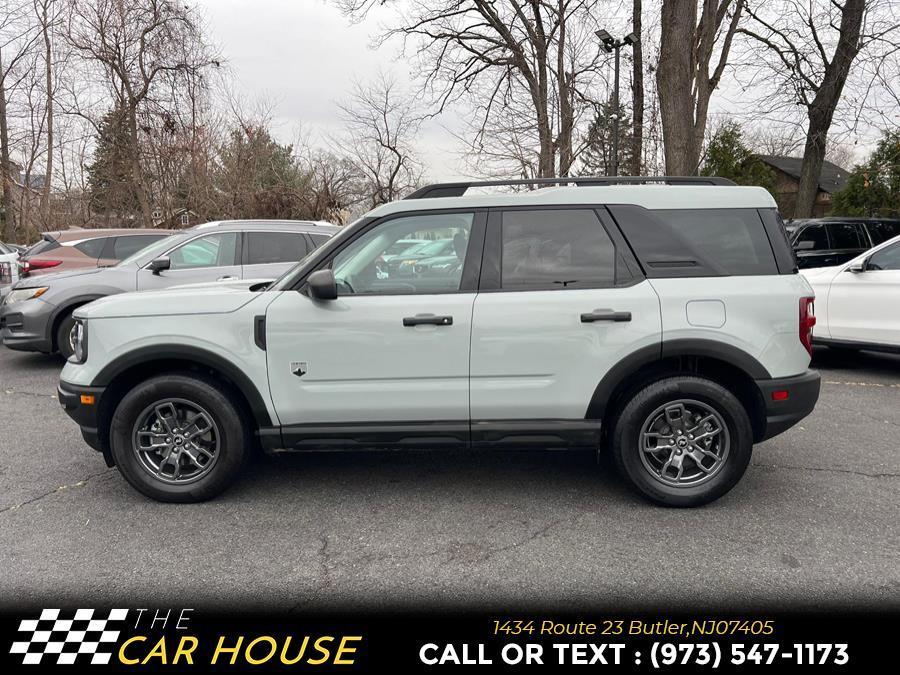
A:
153, 249
434, 247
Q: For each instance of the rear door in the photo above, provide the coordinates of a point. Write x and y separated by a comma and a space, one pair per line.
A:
558, 306
268, 254
210, 257
862, 306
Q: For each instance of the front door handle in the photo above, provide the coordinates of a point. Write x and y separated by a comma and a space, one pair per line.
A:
226, 278
427, 319
605, 315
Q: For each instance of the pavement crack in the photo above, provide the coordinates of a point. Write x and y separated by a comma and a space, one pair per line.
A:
826, 470
50, 493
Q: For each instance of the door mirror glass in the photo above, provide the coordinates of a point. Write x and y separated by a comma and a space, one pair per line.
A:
322, 285
157, 265
805, 245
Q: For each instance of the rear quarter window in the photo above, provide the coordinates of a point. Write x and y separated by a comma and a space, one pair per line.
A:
697, 242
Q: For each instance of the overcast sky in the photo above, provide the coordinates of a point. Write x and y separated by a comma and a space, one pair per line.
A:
303, 56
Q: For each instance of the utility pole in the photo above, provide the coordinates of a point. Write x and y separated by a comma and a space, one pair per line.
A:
611, 44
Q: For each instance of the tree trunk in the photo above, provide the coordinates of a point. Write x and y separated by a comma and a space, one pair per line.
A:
48, 172
821, 110
674, 79
137, 172
637, 116
9, 230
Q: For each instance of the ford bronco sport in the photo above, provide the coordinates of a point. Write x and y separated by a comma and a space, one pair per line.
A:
660, 318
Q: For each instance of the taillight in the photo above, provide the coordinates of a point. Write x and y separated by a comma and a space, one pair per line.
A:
39, 264
807, 321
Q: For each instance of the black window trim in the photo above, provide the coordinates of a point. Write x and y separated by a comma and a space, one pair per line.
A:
325, 254
491, 275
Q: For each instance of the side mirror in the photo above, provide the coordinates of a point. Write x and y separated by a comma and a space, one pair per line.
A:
322, 285
805, 245
159, 264
858, 268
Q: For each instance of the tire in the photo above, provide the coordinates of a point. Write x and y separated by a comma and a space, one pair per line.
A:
655, 409
177, 479
63, 336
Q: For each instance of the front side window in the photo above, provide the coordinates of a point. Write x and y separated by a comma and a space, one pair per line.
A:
883, 231
885, 259
275, 247
366, 267
815, 234
213, 250
127, 246
555, 248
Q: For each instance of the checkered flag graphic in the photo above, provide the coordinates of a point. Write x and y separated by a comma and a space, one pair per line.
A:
65, 640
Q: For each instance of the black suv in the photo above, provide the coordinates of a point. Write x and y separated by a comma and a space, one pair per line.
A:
824, 242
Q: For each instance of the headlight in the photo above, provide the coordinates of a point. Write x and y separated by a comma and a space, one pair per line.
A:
20, 294
79, 341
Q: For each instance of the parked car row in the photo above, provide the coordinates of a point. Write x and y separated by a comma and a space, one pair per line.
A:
217, 251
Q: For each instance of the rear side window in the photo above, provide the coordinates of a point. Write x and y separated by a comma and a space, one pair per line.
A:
275, 247
697, 242
881, 232
42, 246
318, 239
91, 247
845, 235
128, 245
555, 248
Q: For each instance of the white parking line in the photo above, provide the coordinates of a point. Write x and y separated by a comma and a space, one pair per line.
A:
895, 385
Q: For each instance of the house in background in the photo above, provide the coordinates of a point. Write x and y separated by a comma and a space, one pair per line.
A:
178, 220
787, 177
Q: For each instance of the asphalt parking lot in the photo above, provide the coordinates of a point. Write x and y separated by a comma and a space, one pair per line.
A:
814, 523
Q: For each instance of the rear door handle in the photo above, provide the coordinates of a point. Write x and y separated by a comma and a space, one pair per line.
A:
427, 319
605, 315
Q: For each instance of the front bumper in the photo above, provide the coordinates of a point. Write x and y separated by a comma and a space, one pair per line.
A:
788, 400
26, 325
73, 398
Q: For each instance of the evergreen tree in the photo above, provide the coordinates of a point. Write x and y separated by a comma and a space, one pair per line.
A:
110, 177
597, 156
728, 157
873, 188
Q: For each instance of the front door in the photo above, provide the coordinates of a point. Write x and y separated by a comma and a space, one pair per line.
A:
565, 310
862, 305
387, 362
211, 257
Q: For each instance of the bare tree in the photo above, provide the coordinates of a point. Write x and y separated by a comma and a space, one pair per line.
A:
685, 84
809, 49
538, 54
380, 125
136, 46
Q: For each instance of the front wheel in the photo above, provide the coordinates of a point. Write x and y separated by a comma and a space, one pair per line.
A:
64, 336
179, 438
683, 441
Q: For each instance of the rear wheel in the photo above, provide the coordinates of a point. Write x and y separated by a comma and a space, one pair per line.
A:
179, 438
683, 441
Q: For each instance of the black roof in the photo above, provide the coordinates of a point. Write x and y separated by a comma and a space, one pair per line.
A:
832, 178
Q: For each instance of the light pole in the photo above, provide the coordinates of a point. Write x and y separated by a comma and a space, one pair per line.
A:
611, 44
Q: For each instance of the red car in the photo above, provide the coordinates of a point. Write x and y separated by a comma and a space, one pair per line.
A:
73, 249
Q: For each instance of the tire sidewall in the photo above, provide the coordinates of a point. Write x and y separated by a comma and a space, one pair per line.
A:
626, 445
62, 335
209, 395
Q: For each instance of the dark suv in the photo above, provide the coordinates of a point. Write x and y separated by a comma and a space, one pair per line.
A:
824, 242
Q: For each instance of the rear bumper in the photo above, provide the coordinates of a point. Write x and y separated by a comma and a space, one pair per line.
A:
86, 415
802, 392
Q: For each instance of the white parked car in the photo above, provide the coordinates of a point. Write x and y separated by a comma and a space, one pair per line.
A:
9, 268
858, 303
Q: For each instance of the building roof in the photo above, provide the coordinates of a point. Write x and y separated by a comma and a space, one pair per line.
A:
832, 178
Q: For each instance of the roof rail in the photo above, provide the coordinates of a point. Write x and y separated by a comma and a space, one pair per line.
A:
459, 189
